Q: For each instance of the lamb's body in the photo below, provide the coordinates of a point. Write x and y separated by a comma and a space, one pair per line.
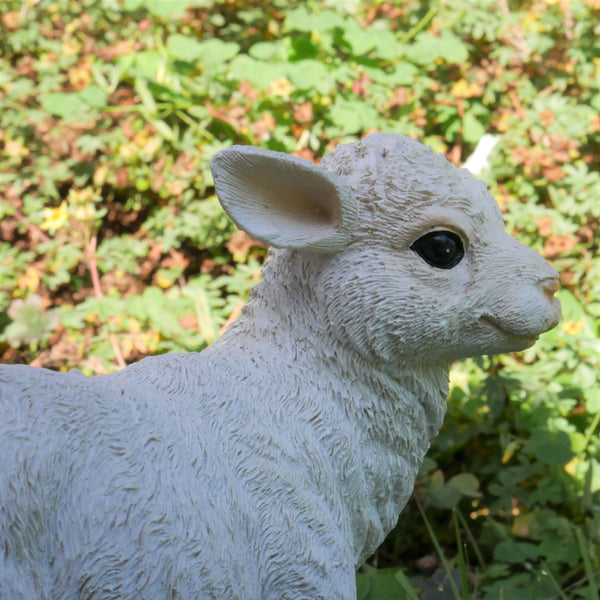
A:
271, 465
197, 519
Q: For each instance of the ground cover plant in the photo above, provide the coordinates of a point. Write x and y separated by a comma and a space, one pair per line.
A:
113, 246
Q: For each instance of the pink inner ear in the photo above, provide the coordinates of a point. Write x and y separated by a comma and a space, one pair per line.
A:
283, 200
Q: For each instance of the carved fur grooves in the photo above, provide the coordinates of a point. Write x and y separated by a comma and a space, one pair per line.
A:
272, 464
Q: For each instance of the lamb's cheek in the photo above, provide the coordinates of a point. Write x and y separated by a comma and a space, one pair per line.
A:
381, 309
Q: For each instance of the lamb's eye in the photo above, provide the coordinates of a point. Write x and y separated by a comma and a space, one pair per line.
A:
440, 249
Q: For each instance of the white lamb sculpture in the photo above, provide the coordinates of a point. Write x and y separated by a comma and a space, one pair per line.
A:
272, 464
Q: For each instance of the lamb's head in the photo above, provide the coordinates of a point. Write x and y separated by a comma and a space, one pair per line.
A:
407, 254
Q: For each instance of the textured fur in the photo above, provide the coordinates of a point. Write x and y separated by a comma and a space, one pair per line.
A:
272, 464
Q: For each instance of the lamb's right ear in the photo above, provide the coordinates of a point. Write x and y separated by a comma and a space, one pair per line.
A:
283, 200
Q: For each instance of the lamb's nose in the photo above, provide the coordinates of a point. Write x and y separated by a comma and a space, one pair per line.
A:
550, 285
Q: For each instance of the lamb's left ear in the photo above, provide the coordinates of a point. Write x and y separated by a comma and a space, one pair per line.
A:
283, 200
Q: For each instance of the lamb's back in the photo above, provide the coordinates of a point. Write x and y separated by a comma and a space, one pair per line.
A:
106, 483
175, 482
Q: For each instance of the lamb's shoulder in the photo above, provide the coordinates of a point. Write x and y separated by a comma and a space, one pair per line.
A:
280, 436
331, 446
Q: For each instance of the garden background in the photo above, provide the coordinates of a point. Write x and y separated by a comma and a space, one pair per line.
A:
113, 245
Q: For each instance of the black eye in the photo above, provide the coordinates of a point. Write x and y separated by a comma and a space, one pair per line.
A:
440, 249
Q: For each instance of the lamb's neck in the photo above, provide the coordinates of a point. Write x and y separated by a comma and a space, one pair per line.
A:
390, 413
396, 419
414, 395
276, 312
387, 401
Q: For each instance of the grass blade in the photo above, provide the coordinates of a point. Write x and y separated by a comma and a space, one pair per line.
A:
587, 564
461, 558
472, 539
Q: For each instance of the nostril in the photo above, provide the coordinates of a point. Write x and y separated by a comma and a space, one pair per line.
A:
550, 285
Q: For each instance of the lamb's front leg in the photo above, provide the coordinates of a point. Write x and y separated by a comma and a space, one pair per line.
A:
307, 559
323, 583
21, 583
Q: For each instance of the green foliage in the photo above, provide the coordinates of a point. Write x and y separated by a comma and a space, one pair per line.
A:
391, 584
114, 247
30, 323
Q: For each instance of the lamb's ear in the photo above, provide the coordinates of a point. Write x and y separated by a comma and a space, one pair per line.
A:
283, 200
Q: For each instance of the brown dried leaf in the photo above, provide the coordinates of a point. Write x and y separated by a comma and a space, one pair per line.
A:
11, 20
587, 233
303, 113
307, 154
557, 244
239, 245
547, 117
188, 321
262, 128
248, 91
109, 53
553, 174
544, 225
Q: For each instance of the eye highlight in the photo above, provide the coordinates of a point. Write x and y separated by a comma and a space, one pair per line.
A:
440, 249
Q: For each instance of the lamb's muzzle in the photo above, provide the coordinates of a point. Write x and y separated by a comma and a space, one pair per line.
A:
272, 464
551, 285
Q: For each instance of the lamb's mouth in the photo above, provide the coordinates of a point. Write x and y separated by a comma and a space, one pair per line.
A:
491, 323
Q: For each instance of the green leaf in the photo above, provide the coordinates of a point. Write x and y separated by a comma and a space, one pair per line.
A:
360, 40
164, 130
585, 376
265, 50
63, 104
132, 4
353, 116
94, 95
452, 48
90, 143
578, 442
166, 8
184, 47
562, 550
19, 88
386, 45
311, 74
473, 129
515, 587
516, 552
384, 584
467, 484
553, 448
141, 87
446, 496
30, 322
215, 52
428, 48
571, 307
404, 73
258, 73
301, 20
148, 64
72, 105
592, 400
120, 254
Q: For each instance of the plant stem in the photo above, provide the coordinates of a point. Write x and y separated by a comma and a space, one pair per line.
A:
93, 267
439, 551
471, 537
419, 26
